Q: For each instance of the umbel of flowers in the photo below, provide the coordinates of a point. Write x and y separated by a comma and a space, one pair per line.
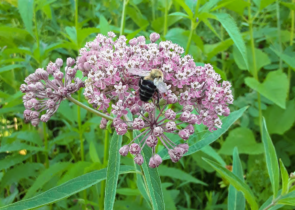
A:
106, 64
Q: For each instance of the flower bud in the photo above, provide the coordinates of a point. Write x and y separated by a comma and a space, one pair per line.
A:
193, 119
184, 134
50, 103
133, 42
185, 116
138, 159
121, 129
151, 141
154, 37
58, 75
42, 74
188, 108
141, 39
134, 149
170, 114
170, 126
23, 88
87, 66
35, 122
185, 147
124, 150
190, 129
172, 99
70, 62
34, 114
117, 121
138, 124
59, 62
173, 156
152, 163
27, 114
135, 109
149, 107
157, 159
158, 131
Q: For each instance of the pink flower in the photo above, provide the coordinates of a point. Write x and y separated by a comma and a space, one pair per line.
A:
121, 129
154, 37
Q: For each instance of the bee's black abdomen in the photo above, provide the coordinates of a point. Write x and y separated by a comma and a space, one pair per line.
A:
147, 89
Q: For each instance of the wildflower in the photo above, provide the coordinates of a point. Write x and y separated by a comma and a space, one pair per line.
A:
43, 93
106, 63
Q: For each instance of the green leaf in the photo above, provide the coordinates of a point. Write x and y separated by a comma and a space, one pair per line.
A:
286, 58
112, 171
10, 67
226, 123
19, 172
136, 16
271, 160
186, 8
236, 200
280, 120
244, 140
289, 5
45, 176
17, 146
180, 14
13, 160
262, 59
152, 178
103, 25
236, 182
285, 178
175, 173
65, 190
274, 87
265, 3
230, 26
26, 10
158, 25
128, 191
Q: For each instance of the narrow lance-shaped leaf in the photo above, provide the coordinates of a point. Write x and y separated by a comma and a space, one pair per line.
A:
271, 160
285, 178
236, 200
112, 171
230, 26
236, 182
65, 190
152, 178
26, 10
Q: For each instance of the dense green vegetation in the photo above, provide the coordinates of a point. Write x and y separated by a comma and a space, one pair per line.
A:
249, 43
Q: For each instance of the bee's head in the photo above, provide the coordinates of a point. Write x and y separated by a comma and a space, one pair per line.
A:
157, 74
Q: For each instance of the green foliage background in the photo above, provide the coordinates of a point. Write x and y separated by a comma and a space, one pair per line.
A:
249, 43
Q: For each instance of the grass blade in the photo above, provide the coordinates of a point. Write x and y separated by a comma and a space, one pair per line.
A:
65, 190
152, 179
112, 171
236, 200
26, 10
236, 182
285, 178
271, 160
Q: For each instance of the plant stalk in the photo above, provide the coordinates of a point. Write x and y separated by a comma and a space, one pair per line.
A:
45, 145
279, 32
80, 129
274, 202
123, 17
165, 19
255, 70
291, 44
105, 164
189, 38
89, 109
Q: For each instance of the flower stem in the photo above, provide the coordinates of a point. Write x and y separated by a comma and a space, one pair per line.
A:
105, 164
165, 19
100, 114
189, 38
45, 145
255, 70
274, 202
123, 17
279, 32
80, 129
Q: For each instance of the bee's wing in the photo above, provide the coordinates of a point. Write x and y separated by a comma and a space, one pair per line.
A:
138, 72
162, 87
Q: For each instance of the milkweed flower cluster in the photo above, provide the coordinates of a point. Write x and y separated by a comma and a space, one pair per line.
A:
106, 62
45, 89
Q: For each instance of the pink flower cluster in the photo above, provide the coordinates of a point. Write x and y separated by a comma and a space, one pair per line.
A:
45, 89
106, 62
